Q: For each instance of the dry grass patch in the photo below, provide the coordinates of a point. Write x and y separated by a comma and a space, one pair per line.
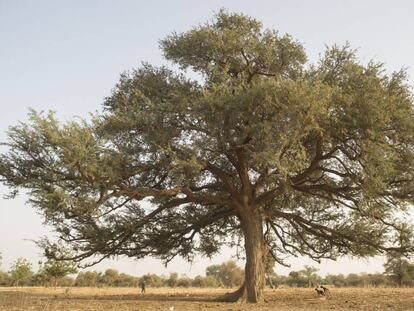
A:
129, 299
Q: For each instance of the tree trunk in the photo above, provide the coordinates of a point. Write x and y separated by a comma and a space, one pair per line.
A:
254, 281
252, 289
233, 296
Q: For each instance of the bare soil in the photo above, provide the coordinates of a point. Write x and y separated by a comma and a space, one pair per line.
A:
186, 299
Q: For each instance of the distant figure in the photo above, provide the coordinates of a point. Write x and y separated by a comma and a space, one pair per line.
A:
142, 287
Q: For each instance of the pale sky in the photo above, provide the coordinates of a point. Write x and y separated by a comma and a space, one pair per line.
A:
67, 55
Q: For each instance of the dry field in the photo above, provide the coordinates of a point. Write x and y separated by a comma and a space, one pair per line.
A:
128, 299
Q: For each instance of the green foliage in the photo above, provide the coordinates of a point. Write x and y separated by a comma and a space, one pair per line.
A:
125, 280
234, 45
21, 271
154, 280
227, 274
205, 281
323, 153
110, 277
184, 281
54, 269
302, 278
309, 274
399, 270
5, 279
296, 280
337, 280
173, 279
87, 279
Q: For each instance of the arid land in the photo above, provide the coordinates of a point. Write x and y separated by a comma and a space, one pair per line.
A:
185, 299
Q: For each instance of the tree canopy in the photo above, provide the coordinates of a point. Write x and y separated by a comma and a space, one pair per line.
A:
297, 158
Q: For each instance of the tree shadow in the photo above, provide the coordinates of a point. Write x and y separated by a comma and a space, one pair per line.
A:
135, 297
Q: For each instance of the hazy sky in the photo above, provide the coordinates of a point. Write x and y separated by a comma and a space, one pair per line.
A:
67, 55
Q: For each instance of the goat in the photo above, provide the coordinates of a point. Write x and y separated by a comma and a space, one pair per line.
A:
322, 291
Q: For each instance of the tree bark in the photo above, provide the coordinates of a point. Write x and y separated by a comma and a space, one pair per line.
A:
252, 290
252, 227
235, 296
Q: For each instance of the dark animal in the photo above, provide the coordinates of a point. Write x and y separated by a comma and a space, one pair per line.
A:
322, 291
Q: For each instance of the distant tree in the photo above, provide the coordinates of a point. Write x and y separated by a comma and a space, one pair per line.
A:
309, 274
227, 274
399, 270
154, 280
40, 279
67, 281
198, 281
320, 156
353, 279
5, 279
56, 270
125, 280
397, 267
184, 281
213, 270
110, 277
87, 279
172, 280
376, 279
21, 271
335, 279
205, 281
296, 279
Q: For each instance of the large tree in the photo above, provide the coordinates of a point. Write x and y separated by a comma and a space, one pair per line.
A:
259, 146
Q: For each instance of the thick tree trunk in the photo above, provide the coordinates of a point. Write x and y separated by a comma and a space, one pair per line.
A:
252, 227
252, 290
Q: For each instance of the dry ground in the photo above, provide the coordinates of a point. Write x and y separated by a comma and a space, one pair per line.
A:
128, 299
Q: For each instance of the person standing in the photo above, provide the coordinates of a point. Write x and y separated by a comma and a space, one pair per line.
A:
142, 287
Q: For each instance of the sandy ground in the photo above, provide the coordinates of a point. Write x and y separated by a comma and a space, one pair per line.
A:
129, 299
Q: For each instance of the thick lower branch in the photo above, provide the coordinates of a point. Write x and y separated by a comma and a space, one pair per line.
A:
235, 296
